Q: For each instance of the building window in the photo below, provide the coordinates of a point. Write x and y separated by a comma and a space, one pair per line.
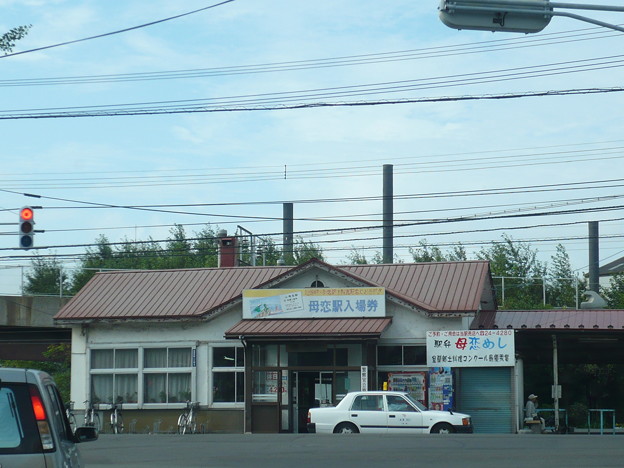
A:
165, 375
114, 375
228, 374
401, 355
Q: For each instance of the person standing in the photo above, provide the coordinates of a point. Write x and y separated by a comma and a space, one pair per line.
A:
530, 411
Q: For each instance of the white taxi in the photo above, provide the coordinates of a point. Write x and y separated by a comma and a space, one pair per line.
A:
383, 412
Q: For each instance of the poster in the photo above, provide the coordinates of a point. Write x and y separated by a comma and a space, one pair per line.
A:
414, 383
440, 388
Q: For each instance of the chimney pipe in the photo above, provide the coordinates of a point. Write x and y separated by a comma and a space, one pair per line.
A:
388, 211
228, 247
594, 274
288, 233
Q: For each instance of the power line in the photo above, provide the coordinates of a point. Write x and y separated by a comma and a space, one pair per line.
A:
116, 32
341, 61
279, 107
368, 228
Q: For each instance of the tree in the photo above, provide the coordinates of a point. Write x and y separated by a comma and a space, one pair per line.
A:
47, 277
426, 253
518, 264
614, 294
561, 289
356, 258
7, 40
431, 253
304, 251
56, 361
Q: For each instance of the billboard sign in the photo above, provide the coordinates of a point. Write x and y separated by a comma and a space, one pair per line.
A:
314, 303
471, 348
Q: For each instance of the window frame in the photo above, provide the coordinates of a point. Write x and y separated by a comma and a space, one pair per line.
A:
237, 370
140, 371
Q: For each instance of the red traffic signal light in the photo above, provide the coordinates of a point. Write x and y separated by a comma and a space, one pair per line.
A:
26, 227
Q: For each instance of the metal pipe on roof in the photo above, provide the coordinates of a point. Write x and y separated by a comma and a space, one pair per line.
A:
388, 221
288, 233
594, 278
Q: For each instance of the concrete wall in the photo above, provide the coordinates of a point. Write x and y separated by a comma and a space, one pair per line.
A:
29, 311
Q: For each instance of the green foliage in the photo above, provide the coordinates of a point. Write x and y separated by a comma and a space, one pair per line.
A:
614, 294
561, 291
46, 277
427, 253
57, 363
7, 40
519, 264
356, 258
304, 251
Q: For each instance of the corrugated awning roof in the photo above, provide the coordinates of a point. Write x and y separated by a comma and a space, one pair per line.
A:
309, 328
573, 319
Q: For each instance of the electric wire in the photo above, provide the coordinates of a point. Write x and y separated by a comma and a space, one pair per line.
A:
115, 32
348, 60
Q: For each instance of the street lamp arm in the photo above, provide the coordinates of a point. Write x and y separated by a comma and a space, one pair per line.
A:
588, 20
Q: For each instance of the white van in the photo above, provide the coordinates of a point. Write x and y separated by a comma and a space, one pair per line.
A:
34, 430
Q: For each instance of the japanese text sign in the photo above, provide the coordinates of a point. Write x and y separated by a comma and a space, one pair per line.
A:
471, 348
314, 303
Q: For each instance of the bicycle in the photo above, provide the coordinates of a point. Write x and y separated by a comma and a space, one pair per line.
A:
69, 411
116, 419
187, 421
91, 417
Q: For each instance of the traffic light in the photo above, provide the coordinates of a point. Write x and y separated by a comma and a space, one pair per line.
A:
26, 227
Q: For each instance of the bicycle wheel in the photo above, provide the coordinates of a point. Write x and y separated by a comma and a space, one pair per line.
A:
96, 422
192, 425
117, 424
182, 424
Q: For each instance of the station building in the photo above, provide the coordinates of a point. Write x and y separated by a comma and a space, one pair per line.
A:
256, 347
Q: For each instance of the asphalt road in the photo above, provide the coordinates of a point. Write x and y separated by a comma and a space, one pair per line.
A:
356, 450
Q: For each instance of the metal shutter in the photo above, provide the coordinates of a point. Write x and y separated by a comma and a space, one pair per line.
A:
486, 394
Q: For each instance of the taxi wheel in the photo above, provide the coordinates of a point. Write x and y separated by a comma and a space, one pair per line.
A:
346, 428
442, 428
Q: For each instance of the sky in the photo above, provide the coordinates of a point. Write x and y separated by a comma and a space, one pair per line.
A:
220, 116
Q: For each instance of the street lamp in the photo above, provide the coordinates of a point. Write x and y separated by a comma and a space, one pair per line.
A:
525, 16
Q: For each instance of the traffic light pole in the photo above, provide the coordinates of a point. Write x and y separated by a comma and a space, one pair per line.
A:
535, 14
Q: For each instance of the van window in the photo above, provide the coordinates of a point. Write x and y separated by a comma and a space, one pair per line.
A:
11, 431
18, 429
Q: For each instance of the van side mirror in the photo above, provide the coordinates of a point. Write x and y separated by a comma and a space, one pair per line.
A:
86, 434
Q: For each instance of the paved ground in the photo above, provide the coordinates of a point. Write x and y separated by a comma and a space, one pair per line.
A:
362, 451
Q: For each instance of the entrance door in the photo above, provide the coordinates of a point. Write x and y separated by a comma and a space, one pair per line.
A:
309, 390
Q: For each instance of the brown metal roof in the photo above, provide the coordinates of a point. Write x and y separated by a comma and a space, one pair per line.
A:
309, 328
162, 294
445, 287
435, 287
584, 319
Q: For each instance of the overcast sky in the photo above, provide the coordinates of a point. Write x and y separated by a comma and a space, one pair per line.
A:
264, 74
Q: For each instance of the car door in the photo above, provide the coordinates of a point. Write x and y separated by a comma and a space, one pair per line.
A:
367, 411
403, 418
67, 452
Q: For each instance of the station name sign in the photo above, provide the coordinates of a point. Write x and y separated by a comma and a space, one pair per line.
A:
471, 348
314, 303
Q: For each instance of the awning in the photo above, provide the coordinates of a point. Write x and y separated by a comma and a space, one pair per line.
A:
297, 329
